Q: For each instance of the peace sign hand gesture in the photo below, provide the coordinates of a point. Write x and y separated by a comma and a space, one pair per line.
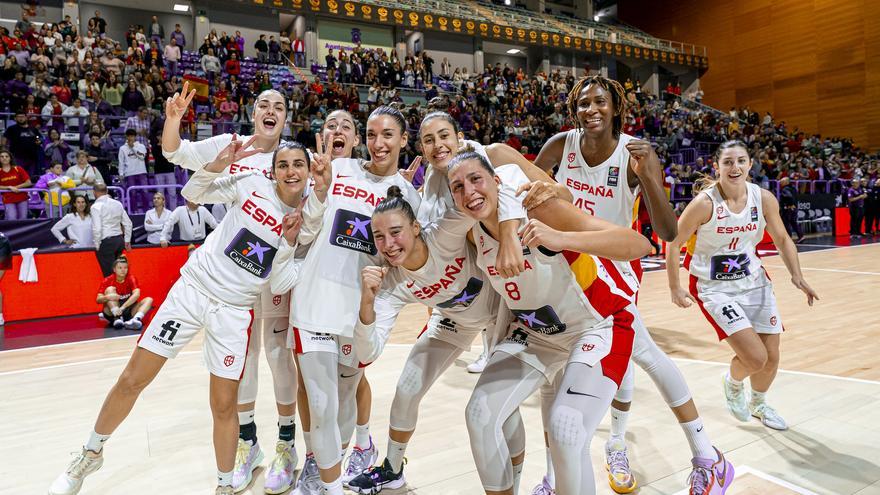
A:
291, 224
233, 152
410, 173
321, 169
176, 106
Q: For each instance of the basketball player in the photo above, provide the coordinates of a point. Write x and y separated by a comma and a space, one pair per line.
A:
606, 171
121, 298
574, 326
447, 334
270, 310
722, 227
324, 301
218, 285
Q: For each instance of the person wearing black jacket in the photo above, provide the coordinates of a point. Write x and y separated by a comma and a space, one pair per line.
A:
788, 208
99, 157
872, 209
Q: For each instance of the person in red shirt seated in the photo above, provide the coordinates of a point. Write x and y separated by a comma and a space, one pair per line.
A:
121, 297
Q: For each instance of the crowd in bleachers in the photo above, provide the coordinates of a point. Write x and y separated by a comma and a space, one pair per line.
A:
69, 91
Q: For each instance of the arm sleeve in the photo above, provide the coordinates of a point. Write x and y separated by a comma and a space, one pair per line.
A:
126, 226
208, 187
194, 156
168, 226
313, 216
509, 207
59, 226
370, 340
285, 269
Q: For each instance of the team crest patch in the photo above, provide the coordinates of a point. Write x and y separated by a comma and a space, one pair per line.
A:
276, 300
251, 253
346, 349
571, 157
228, 360
543, 320
613, 176
773, 320
352, 230
754, 213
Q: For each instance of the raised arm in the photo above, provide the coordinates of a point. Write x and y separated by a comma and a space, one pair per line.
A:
187, 154
207, 186
502, 154
698, 212
378, 312
784, 244
649, 172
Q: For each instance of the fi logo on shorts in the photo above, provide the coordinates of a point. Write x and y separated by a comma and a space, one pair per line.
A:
251, 253
466, 297
352, 231
542, 320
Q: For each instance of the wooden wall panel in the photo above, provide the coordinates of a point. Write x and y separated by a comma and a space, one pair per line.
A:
813, 63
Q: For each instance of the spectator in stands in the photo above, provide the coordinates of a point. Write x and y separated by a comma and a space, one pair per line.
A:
56, 183
84, 174
274, 50
56, 149
155, 219
157, 31
77, 225
153, 56
178, 37
24, 142
113, 90
87, 87
133, 169
445, 69
119, 294
262, 49
428, 62
788, 208
285, 45
62, 91
13, 178
210, 64
75, 116
97, 24
239, 43
856, 198
233, 66
17, 91
111, 228
191, 220
140, 125
98, 156
299, 52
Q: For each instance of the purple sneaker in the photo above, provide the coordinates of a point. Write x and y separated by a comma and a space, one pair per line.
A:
710, 477
247, 458
359, 461
279, 477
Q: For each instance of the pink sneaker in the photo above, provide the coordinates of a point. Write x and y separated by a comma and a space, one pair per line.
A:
710, 477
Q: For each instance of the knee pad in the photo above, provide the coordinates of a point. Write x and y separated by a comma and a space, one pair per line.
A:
477, 413
567, 430
407, 397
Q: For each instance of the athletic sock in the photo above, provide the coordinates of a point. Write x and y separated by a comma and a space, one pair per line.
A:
307, 438
396, 451
698, 439
332, 488
139, 315
618, 424
551, 474
758, 397
362, 436
224, 479
517, 473
245, 417
248, 433
733, 381
286, 430
96, 442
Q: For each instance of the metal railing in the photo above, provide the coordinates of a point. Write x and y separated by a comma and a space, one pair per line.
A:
37, 201
146, 188
683, 191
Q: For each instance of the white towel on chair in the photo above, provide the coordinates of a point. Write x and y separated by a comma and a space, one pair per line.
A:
28, 271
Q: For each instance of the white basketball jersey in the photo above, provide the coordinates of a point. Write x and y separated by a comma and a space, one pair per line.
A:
603, 191
327, 295
722, 255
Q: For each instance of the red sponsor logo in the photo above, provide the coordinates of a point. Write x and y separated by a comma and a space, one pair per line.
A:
588, 347
261, 216
773, 320
735, 229
448, 279
228, 360
339, 176
590, 190
346, 349
276, 300
571, 157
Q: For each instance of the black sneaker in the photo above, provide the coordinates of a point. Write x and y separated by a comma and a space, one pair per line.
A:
377, 478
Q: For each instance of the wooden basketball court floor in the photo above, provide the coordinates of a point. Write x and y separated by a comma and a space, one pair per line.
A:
829, 391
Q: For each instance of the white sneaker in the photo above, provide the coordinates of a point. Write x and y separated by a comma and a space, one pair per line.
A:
309, 482
103, 317
134, 324
71, 480
224, 490
118, 323
480, 364
768, 416
736, 399
2, 321
247, 459
359, 460
279, 477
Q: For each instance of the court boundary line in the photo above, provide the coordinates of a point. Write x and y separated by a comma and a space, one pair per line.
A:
832, 270
684, 360
746, 469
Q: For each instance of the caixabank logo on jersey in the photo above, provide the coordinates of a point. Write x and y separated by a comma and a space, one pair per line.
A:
730, 266
466, 297
352, 230
542, 320
251, 253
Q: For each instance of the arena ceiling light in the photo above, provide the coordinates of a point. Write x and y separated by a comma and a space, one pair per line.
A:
513, 51
180, 7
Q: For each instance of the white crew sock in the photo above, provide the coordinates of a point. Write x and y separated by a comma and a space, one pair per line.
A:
362, 436
224, 479
96, 442
332, 488
733, 381
618, 424
246, 417
517, 474
757, 397
698, 439
551, 474
138, 315
307, 438
396, 451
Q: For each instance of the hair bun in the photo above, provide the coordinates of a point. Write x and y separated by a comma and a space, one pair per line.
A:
394, 192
